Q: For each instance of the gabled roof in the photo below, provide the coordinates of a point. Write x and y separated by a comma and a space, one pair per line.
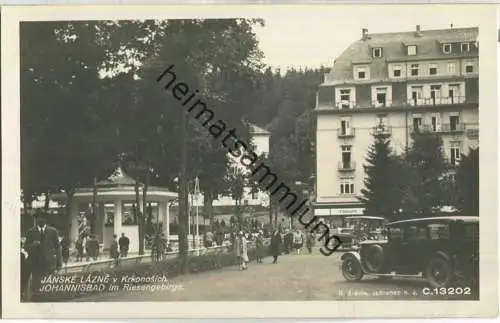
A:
428, 43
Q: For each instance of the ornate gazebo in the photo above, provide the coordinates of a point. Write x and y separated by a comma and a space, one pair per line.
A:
115, 212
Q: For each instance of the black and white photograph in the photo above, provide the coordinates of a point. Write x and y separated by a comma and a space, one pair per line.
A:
286, 155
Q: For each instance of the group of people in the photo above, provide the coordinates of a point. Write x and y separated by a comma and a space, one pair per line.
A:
279, 244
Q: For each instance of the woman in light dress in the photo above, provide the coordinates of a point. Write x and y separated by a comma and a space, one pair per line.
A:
244, 251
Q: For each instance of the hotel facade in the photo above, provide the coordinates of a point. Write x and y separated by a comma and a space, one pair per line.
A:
392, 84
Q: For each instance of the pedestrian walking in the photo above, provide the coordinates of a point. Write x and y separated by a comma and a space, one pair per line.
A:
259, 247
65, 251
298, 240
244, 251
113, 250
124, 243
275, 246
237, 249
79, 249
25, 274
288, 241
44, 251
92, 248
209, 239
310, 241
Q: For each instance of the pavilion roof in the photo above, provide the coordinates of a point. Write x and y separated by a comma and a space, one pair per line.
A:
118, 178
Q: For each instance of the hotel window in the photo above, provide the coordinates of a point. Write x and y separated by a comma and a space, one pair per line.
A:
361, 73
446, 48
414, 68
377, 52
433, 69
396, 71
451, 68
345, 98
435, 122
411, 50
347, 185
465, 47
381, 96
416, 94
345, 126
417, 123
346, 156
435, 92
455, 153
454, 122
453, 91
469, 68
255, 194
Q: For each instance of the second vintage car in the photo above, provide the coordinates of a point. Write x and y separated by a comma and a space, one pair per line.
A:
442, 250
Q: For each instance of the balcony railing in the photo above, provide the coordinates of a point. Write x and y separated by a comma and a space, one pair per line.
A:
437, 101
347, 166
345, 133
444, 128
424, 102
382, 130
458, 127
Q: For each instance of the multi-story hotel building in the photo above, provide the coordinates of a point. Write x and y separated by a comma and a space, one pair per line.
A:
392, 84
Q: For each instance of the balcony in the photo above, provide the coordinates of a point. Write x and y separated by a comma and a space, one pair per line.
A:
444, 128
382, 130
353, 106
345, 133
347, 166
459, 127
437, 101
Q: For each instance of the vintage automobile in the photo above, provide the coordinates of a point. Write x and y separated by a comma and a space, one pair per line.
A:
358, 228
442, 250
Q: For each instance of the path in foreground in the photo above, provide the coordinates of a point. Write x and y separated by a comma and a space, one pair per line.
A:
303, 277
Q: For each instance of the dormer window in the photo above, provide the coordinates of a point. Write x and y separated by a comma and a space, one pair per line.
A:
361, 72
411, 50
446, 48
377, 52
465, 47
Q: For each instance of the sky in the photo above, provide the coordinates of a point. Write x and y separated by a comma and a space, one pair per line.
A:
313, 38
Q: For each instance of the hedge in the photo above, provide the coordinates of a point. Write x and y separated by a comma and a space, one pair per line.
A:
171, 268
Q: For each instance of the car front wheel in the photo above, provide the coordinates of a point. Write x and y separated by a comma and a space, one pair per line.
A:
351, 269
439, 272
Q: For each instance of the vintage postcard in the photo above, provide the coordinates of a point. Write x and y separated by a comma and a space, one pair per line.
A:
249, 161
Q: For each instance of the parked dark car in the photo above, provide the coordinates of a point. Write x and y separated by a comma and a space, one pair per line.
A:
443, 250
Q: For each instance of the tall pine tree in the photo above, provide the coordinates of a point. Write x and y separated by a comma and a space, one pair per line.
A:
467, 182
425, 169
381, 194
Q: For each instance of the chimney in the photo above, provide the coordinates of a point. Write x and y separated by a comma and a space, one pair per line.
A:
451, 26
364, 34
418, 31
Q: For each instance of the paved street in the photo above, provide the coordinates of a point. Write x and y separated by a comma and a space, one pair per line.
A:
303, 277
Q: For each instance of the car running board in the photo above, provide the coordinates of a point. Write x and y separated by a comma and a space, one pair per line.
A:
393, 274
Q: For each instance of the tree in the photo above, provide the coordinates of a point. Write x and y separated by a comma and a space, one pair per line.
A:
424, 168
381, 195
467, 184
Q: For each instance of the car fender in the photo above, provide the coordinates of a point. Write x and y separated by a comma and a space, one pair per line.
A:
443, 255
354, 254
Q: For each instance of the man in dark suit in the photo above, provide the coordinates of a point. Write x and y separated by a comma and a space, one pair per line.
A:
42, 245
124, 243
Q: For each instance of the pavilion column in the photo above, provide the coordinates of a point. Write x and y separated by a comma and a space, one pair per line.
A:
166, 221
118, 217
73, 232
